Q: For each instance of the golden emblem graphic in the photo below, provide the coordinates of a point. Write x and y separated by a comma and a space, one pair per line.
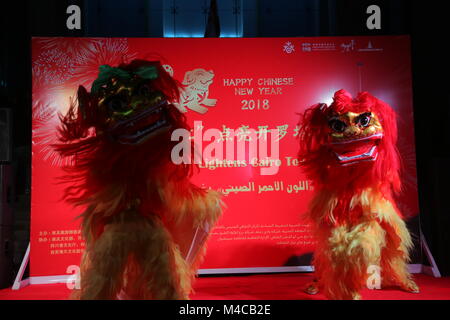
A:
194, 95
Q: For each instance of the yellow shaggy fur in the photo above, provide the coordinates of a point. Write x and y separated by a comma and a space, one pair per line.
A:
346, 251
144, 257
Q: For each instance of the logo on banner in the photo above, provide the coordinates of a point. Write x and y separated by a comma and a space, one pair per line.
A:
318, 46
347, 47
195, 91
288, 47
370, 48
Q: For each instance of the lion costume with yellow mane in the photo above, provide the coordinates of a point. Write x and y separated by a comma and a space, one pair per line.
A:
145, 224
349, 150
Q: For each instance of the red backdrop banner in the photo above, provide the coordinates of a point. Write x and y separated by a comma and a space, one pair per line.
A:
256, 86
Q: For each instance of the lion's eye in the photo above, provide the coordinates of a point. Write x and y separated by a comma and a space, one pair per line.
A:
144, 90
337, 125
364, 120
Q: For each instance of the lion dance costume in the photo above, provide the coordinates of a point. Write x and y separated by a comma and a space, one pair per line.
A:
144, 224
349, 150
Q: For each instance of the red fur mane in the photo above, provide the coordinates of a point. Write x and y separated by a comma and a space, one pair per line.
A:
319, 162
99, 162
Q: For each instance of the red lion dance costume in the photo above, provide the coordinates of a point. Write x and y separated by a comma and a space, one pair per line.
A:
349, 150
142, 213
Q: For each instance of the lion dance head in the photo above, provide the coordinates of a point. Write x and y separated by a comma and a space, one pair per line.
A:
120, 131
351, 143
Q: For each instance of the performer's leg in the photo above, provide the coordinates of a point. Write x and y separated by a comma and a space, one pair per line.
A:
102, 278
165, 274
313, 287
395, 257
351, 252
395, 272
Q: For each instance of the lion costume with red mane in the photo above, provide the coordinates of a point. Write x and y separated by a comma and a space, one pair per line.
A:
349, 150
144, 223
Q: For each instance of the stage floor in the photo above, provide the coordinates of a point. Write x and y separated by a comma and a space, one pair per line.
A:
286, 286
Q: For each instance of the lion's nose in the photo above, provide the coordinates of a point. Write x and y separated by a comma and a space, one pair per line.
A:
352, 131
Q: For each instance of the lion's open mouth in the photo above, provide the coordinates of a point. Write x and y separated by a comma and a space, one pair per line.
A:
357, 150
139, 128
